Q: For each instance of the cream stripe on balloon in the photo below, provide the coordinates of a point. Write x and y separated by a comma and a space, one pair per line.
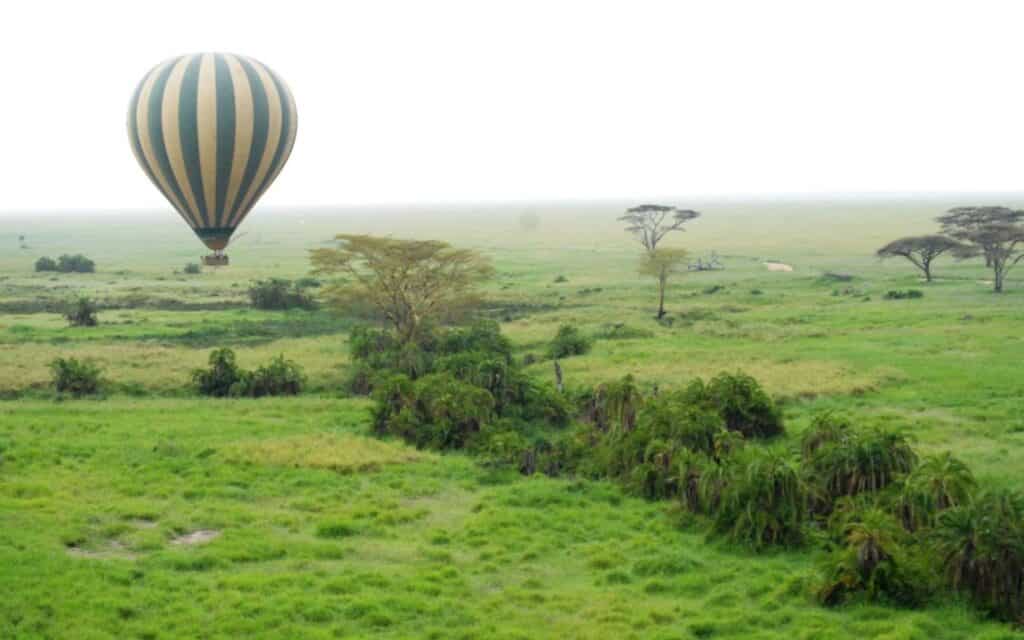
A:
206, 113
245, 119
274, 106
293, 125
142, 127
172, 136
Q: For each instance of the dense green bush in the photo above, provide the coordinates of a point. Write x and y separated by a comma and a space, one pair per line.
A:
909, 294
437, 411
279, 378
75, 264
758, 499
192, 268
82, 313
612, 406
66, 264
225, 378
741, 402
276, 294
939, 483
222, 376
847, 461
76, 377
873, 561
981, 549
46, 264
569, 341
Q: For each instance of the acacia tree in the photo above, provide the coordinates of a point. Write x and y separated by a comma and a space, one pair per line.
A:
920, 250
662, 264
651, 222
407, 281
993, 232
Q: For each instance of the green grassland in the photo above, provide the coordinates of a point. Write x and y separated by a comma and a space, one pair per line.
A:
323, 531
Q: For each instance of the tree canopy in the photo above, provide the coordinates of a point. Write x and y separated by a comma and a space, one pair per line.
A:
662, 264
651, 222
993, 232
407, 281
920, 250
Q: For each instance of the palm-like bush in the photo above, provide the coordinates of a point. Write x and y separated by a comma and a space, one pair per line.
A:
826, 427
763, 501
981, 546
939, 483
855, 461
871, 561
613, 406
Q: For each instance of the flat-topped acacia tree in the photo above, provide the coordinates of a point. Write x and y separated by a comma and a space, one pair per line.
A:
920, 250
408, 282
997, 233
651, 222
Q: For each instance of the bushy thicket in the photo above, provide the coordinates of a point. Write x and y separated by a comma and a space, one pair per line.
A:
82, 313
450, 389
224, 378
277, 294
892, 528
192, 268
66, 264
75, 377
569, 341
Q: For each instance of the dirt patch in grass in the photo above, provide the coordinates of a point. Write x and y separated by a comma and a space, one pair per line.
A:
343, 453
201, 536
115, 549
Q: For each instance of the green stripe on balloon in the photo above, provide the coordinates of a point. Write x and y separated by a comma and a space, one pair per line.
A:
156, 135
225, 134
261, 125
188, 131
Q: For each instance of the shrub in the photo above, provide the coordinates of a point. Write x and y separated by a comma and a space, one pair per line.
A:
909, 294
75, 264
981, 547
279, 378
82, 313
613, 405
939, 483
46, 264
621, 331
76, 377
569, 342
276, 294
853, 461
560, 279
436, 411
873, 560
759, 499
223, 375
192, 268
742, 403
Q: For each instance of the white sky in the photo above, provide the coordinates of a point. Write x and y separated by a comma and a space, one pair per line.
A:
484, 100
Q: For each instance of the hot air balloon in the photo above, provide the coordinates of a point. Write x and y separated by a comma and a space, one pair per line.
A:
212, 131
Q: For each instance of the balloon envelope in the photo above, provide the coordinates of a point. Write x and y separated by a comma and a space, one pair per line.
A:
212, 131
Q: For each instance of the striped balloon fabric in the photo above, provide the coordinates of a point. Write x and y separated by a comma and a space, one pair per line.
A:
212, 131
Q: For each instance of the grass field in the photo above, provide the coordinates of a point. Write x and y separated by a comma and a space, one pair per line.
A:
310, 528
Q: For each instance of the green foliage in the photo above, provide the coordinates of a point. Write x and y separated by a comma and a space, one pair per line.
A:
280, 377
741, 402
192, 268
938, 483
76, 377
222, 378
569, 341
759, 499
908, 294
437, 411
46, 264
82, 313
277, 294
612, 406
75, 264
225, 378
872, 561
842, 461
981, 549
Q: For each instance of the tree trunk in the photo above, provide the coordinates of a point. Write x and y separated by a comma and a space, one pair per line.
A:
662, 282
998, 281
927, 271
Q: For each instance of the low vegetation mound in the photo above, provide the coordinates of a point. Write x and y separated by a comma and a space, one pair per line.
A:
66, 264
224, 378
76, 377
276, 294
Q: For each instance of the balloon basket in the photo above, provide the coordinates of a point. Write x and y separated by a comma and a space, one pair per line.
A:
215, 260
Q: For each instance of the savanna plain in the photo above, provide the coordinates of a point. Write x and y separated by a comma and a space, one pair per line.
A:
151, 512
